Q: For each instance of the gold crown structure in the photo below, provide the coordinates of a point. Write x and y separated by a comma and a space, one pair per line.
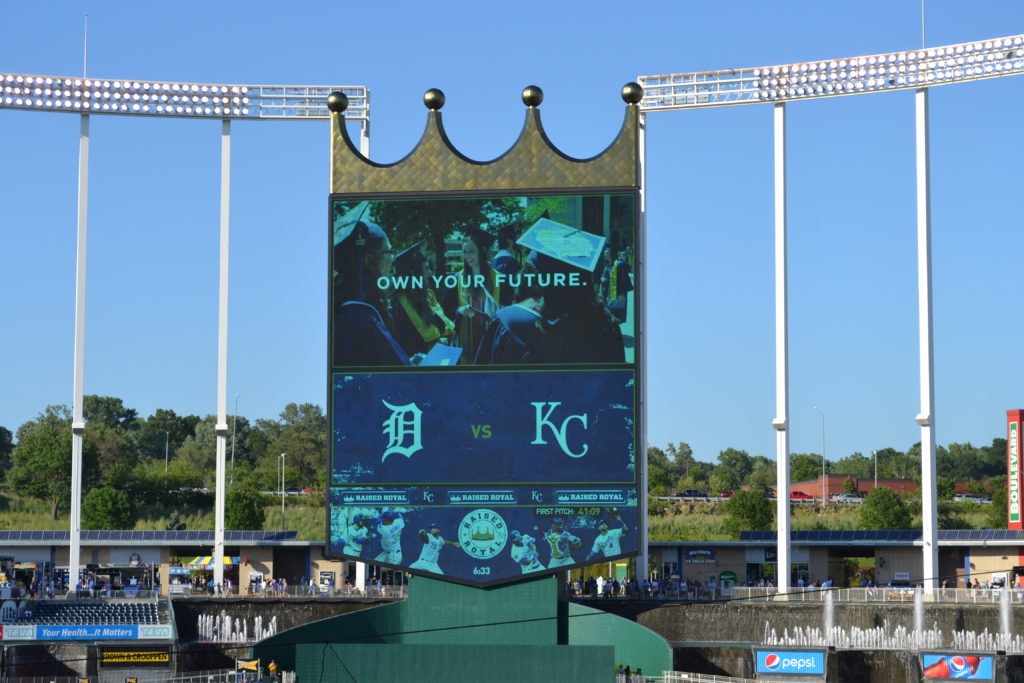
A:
532, 163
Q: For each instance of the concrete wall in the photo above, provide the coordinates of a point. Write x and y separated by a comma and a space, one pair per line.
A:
984, 561
896, 559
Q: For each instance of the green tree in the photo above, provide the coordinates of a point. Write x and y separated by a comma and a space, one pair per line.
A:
997, 512
805, 466
199, 451
748, 510
850, 487
945, 488
856, 464
244, 509
667, 467
110, 411
163, 432
734, 466
884, 509
52, 416
303, 436
42, 465
995, 457
6, 448
107, 508
117, 452
764, 475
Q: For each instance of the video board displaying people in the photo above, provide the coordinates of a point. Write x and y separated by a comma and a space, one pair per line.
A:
460, 281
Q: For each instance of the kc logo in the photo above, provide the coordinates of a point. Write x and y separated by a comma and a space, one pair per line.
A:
558, 431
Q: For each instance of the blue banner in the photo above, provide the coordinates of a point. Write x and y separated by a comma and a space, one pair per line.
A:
790, 662
482, 543
482, 427
87, 632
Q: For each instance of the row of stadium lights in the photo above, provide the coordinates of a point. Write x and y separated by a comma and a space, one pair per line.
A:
125, 96
894, 70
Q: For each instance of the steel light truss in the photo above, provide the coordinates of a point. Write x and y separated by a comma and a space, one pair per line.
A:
833, 77
177, 99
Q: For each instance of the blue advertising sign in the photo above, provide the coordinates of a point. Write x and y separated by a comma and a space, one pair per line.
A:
87, 632
957, 666
789, 662
483, 382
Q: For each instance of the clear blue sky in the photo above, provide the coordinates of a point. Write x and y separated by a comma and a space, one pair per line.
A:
152, 289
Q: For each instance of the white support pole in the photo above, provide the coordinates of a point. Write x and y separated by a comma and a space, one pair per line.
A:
642, 569
364, 137
926, 418
78, 398
781, 421
364, 149
222, 352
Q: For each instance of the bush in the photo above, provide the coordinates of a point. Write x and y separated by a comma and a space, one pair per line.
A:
884, 509
107, 508
748, 511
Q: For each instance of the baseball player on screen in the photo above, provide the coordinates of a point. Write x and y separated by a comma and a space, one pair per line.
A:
431, 551
524, 552
389, 526
607, 543
356, 535
562, 543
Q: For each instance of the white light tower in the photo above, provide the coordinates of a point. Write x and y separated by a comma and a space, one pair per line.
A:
162, 99
915, 70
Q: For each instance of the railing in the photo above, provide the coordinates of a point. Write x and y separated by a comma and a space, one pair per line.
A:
147, 676
667, 592
896, 594
298, 591
683, 677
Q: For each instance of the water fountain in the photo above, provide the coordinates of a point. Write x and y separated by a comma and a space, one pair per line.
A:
1005, 612
829, 611
918, 609
888, 637
222, 628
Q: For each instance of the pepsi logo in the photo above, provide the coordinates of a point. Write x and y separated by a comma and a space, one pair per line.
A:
772, 661
957, 664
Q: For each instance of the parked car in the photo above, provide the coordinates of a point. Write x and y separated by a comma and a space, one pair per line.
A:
970, 498
846, 498
692, 494
799, 495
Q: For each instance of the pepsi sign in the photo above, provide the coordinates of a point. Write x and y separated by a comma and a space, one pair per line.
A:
790, 662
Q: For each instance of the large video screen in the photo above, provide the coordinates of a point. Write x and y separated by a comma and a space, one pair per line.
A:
470, 281
483, 383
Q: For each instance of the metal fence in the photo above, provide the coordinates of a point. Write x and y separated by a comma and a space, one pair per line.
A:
150, 676
896, 594
265, 591
684, 677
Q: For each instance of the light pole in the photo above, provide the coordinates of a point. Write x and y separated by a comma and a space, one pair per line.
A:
815, 408
167, 459
282, 490
234, 423
875, 455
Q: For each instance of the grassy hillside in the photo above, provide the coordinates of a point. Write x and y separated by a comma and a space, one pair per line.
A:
697, 521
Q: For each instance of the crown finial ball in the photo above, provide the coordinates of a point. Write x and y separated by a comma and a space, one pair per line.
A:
433, 99
337, 102
532, 96
632, 93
